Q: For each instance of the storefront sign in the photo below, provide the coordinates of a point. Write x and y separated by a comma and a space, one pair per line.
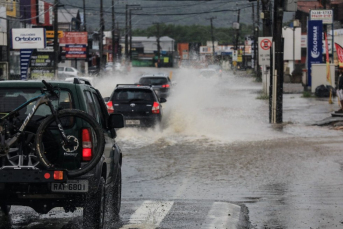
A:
50, 34
42, 60
28, 38
314, 46
326, 16
76, 51
74, 38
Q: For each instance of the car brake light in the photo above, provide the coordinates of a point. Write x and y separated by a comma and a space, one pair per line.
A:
86, 145
58, 175
166, 86
110, 108
156, 108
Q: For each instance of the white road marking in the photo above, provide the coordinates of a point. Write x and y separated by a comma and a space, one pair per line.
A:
149, 215
222, 215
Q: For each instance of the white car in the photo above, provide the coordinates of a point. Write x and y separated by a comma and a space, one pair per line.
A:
70, 71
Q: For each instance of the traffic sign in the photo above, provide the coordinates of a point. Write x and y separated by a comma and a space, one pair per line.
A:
264, 45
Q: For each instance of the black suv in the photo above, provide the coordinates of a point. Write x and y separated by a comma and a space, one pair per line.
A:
139, 104
161, 83
98, 191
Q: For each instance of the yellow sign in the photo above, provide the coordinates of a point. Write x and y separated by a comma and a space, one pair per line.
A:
50, 34
166, 59
11, 8
239, 58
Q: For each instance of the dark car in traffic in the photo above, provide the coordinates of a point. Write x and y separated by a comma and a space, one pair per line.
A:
139, 104
161, 83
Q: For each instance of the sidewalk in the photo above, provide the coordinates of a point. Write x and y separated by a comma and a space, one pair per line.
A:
293, 88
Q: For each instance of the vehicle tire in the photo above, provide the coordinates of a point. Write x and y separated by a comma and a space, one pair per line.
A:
116, 195
94, 209
73, 123
5, 209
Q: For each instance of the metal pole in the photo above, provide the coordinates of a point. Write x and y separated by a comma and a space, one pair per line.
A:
277, 37
126, 32
130, 28
113, 33
56, 46
101, 34
254, 32
237, 31
212, 37
84, 16
293, 46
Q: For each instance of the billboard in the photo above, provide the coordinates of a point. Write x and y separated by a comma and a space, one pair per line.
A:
314, 46
73, 38
28, 38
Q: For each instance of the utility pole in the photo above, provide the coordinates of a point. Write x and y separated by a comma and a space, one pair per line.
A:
254, 32
266, 18
158, 41
130, 27
84, 16
113, 33
278, 50
126, 29
56, 46
237, 30
126, 32
101, 35
212, 37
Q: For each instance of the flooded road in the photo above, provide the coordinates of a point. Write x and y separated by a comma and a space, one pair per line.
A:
218, 163
217, 145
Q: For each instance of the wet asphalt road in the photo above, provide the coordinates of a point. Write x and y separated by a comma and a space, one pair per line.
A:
218, 163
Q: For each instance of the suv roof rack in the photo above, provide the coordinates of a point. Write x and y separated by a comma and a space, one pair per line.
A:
81, 81
133, 85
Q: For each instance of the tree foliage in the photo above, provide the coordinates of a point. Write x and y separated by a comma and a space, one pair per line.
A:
196, 33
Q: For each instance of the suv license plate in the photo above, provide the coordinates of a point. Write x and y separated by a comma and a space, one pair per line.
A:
70, 186
132, 122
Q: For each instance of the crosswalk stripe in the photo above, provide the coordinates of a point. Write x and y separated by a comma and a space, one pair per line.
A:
149, 215
222, 215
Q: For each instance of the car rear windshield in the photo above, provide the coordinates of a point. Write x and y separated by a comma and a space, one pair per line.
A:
153, 80
132, 94
11, 98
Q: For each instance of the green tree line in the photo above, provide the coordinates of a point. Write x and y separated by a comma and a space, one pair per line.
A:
196, 33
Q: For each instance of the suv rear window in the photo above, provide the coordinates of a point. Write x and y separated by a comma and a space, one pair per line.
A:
129, 94
14, 97
153, 80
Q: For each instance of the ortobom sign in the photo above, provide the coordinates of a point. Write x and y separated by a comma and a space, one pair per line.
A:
28, 38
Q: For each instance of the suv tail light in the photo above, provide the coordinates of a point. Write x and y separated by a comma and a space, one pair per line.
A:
86, 145
109, 106
166, 86
156, 108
